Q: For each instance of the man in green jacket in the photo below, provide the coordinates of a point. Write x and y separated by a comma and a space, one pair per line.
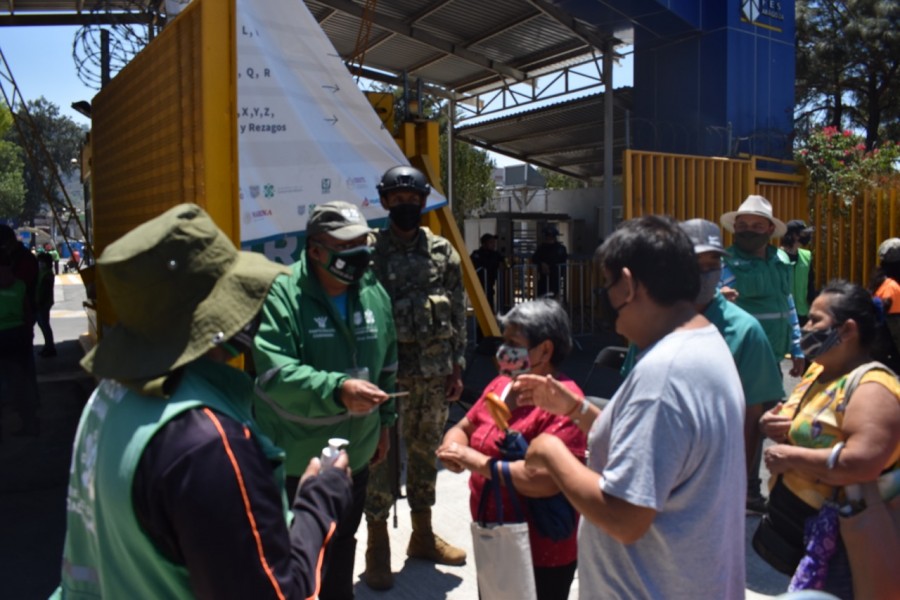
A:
755, 269
793, 251
326, 358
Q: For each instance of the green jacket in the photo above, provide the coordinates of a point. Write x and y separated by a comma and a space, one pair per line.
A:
764, 287
106, 552
801, 269
304, 351
423, 278
12, 305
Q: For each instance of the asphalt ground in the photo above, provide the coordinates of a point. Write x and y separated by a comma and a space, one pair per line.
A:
34, 475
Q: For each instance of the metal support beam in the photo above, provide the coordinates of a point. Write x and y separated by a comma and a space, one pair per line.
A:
428, 39
73, 19
608, 106
451, 151
588, 35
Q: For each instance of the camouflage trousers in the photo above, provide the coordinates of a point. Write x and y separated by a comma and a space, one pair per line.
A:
423, 415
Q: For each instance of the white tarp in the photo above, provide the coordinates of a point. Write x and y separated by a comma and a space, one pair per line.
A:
306, 133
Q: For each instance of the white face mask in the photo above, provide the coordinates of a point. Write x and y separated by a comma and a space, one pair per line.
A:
512, 360
709, 283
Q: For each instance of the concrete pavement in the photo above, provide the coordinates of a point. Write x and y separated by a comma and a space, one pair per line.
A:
35, 472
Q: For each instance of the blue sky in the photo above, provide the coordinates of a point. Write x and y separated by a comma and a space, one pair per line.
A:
40, 59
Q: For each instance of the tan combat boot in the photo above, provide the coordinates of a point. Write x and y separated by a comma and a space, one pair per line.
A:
423, 543
378, 574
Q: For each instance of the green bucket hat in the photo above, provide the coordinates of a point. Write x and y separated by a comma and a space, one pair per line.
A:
179, 288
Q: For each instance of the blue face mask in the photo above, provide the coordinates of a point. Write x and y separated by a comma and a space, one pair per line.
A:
512, 360
709, 283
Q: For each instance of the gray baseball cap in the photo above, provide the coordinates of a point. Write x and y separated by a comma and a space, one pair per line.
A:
338, 219
706, 236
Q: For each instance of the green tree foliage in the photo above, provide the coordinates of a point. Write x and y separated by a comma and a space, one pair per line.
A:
558, 181
5, 119
12, 187
848, 66
62, 138
473, 181
838, 162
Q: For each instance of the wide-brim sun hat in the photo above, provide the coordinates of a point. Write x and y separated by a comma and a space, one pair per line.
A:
754, 205
179, 288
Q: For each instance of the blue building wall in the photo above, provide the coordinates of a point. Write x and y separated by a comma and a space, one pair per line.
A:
711, 77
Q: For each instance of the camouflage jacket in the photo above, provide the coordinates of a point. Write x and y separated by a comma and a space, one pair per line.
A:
423, 277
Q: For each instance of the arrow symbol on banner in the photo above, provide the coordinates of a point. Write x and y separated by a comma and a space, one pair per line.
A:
334, 88
333, 120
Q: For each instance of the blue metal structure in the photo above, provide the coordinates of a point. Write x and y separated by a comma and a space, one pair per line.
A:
711, 77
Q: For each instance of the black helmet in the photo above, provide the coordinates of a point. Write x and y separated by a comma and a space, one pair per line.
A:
403, 178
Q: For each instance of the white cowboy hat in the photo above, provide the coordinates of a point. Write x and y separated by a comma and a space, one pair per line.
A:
754, 205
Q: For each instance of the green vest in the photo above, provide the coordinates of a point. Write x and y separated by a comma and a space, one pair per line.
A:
12, 305
801, 281
106, 553
763, 286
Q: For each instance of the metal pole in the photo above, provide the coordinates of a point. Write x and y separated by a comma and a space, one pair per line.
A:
606, 228
105, 75
451, 154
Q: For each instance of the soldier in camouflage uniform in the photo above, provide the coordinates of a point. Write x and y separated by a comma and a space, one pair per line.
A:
422, 275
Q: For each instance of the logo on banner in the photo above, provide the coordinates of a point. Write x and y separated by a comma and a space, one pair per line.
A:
255, 215
752, 10
356, 183
326, 185
269, 190
301, 209
289, 189
254, 191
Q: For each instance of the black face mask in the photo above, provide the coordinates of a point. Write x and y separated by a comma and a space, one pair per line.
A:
347, 266
817, 342
750, 241
804, 239
607, 308
406, 216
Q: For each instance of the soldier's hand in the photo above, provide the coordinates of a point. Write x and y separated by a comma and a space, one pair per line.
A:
383, 447
361, 397
454, 385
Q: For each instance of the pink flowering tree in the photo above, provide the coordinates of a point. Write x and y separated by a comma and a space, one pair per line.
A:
838, 163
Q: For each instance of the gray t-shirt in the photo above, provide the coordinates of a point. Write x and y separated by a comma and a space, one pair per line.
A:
671, 439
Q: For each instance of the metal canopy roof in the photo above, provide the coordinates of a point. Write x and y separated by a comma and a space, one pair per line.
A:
460, 48
463, 46
565, 137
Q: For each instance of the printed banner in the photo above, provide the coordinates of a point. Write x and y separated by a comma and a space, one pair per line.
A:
306, 133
